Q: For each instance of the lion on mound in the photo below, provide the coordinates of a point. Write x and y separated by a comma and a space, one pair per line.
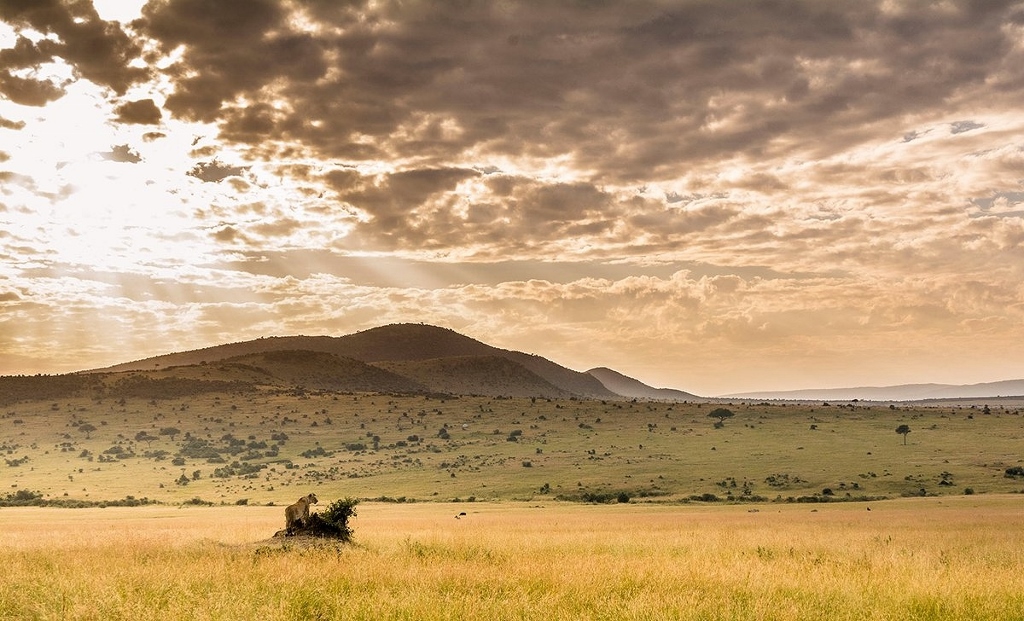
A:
297, 515
331, 524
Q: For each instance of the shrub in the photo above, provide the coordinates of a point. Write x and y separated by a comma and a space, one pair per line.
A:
198, 502
705, 497
22, 498
333, 521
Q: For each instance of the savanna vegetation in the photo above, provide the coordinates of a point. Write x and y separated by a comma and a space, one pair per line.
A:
260, 447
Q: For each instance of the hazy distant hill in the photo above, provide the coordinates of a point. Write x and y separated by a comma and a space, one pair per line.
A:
632, 388
397, 343
904, 392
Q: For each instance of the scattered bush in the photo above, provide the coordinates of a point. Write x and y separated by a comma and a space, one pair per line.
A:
26, 498
597, 498
705, 498
197, 502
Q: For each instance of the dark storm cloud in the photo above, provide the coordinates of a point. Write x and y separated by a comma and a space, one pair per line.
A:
142, 112
97, 50
628, 90
233, 47
29, 92
26, 54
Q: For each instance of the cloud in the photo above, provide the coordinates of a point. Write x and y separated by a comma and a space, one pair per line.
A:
97, 50
214, 171
959, 127
232, 48
143, 111
121, 153
8, 124
626, 92
29, 92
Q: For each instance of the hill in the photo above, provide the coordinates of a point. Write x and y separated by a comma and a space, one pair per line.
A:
635, 389
399, 343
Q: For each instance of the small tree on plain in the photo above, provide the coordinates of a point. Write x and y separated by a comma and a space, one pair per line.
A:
721, 414
903, 430
87, 429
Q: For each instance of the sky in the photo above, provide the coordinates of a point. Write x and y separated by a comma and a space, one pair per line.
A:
709, 195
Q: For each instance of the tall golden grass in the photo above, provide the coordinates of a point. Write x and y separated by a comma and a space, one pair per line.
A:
951, 558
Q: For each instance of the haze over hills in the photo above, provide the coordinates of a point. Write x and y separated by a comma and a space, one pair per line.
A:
418, 358
903, 392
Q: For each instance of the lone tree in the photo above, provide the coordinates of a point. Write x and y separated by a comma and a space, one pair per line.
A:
903, 430
170, 431
721, 414
87, 429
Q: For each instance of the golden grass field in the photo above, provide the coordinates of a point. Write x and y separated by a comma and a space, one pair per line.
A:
923, 558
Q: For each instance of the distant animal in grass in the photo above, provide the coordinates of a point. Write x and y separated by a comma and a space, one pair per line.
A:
297, 515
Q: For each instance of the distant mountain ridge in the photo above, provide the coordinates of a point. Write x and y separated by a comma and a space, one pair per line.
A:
902, 392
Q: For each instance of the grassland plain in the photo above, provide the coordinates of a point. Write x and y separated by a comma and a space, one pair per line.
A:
272, 447
950, 558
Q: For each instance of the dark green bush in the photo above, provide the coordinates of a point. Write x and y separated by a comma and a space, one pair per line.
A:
332, 522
